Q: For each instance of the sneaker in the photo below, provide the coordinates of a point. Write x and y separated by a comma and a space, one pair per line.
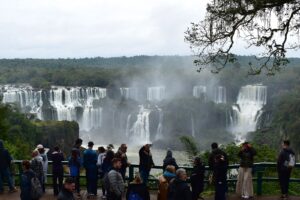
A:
13, 190
103, 197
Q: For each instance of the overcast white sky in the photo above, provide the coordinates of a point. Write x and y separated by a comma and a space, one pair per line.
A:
90, 28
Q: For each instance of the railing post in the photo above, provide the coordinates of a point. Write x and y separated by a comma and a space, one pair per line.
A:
259, 183
131, 173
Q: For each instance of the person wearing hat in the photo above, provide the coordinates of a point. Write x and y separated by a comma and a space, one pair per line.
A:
44, 157
90, 164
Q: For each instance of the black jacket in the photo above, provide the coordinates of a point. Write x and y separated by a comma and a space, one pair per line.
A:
57, 158
247, 157
220, 172
197, 178
139, 189
283, 157
179, 190
212, 156
169, 161
146, 161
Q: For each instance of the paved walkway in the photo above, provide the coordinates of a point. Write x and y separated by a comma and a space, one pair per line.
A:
49, 196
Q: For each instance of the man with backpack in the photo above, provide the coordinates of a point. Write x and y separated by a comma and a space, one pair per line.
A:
114, 181
285, 163
5, 162
31, 188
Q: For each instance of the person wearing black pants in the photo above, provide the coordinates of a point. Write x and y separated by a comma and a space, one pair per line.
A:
57, 170
283, 168
220, 175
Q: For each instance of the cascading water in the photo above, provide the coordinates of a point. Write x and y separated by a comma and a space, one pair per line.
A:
129, 93
247, 110
199, 91
140, 131
159, 134
220, 95
193, 125
29, 100
156, 93
65, 101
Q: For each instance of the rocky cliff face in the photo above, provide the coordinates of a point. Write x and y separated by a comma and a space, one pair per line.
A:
57, 133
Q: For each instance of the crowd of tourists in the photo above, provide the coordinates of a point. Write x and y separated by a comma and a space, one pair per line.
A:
110, 167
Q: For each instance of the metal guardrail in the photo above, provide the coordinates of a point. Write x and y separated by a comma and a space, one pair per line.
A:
258, 168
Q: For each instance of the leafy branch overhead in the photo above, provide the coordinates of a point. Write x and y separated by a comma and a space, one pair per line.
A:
271, 25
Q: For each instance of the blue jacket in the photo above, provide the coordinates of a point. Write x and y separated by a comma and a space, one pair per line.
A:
90, 159
74, 166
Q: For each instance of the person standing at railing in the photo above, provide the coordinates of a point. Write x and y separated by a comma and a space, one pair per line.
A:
77, 147
36, 165
220, 177
5, 162
44, 157
197, 178
90, 164
57, 170
169, 160
146, 162
244, 186
285, 163
121, 153
74, 165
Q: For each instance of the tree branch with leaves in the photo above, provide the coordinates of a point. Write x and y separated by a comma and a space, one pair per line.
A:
269, 25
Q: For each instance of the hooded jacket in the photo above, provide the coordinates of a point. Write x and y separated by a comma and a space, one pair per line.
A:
169, 160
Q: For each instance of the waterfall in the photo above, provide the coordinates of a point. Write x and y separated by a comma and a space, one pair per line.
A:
140, 131
247, 110
220, 95
129, 93
65, 101
199, 91
128, 125
193, 125
160, 125
156, 93
25, 97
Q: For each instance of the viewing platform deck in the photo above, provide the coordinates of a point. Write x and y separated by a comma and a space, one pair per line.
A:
49, 196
